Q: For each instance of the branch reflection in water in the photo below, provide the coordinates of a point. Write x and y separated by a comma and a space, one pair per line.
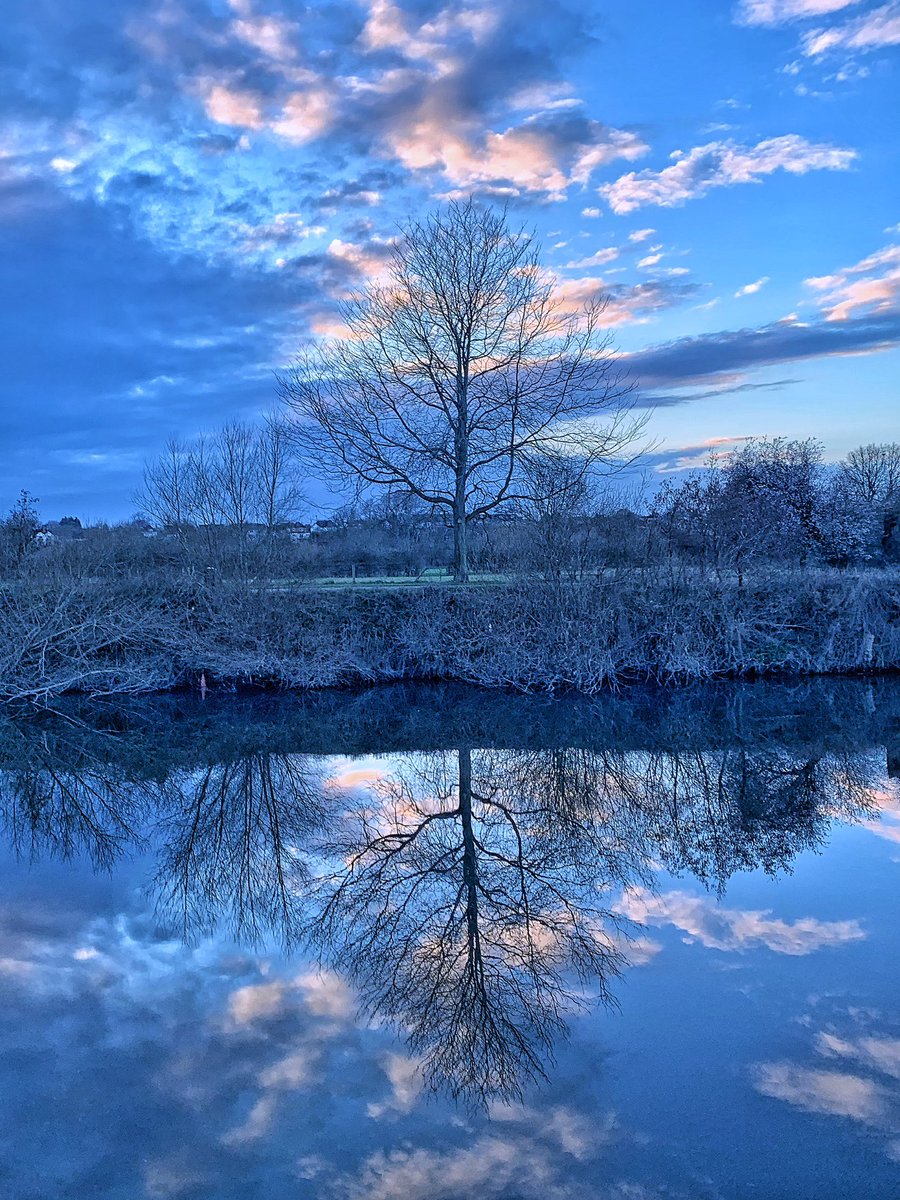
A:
468, 894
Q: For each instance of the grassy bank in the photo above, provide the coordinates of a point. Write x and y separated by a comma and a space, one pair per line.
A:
108, 636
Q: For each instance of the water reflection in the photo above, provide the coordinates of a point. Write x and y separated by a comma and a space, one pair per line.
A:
233, 842
471, 893
467, 909
60, 800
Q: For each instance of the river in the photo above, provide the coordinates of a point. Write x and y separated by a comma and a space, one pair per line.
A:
432, 942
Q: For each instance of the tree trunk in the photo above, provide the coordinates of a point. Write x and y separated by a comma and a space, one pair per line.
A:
461, 447
470, 859
460, 547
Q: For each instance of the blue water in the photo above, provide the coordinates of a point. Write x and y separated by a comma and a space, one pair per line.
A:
180, 1018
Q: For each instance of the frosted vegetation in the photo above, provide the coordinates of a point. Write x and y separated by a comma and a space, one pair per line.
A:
688, 591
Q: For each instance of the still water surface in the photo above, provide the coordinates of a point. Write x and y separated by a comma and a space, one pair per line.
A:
440, 943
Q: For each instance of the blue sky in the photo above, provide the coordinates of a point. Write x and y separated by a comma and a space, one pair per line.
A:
189, 187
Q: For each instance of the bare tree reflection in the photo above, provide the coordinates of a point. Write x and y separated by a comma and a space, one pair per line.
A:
58, 800
469, 895
468, 913
234, 846
712, 814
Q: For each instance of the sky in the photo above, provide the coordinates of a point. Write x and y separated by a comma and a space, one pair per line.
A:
188, 189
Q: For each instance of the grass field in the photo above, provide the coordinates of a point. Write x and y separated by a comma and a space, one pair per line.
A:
433, 577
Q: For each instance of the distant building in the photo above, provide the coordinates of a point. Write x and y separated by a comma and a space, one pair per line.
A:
67, 529
325, 525
297, 531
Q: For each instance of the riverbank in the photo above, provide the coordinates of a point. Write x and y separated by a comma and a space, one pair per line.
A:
126, 636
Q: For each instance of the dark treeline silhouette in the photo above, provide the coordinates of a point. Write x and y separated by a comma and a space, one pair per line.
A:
468, 892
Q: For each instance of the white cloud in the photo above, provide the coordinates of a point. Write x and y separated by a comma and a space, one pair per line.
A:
171, 1177
317, 994
887, 825
721, 928
256, 1124
306, 114
649, 260
837, 1093
641, 235
367, 261
778, 12
852, 1094
575, 1134
750, 289
270, 35
529, 1156
405, 1077
598, 259
321, 993
290, 1073
302, 115
591, 212
256, 1001
877, 1053
623, 305
326, 995
881, 27
387, 28
721, 164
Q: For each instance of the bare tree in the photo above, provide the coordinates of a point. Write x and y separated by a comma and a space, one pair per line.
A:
224, 485
457, 370
874, 472
279, 495
18, 530
561, 514
234, 473
169, 494
231, 851
762, 502
870, 476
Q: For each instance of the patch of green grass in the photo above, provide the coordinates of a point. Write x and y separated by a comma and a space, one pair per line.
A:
432, 577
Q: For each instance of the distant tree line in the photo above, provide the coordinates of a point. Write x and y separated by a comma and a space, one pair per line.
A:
774, 501
231, 506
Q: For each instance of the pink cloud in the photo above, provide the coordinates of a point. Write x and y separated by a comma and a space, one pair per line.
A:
232, 106
872, 284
